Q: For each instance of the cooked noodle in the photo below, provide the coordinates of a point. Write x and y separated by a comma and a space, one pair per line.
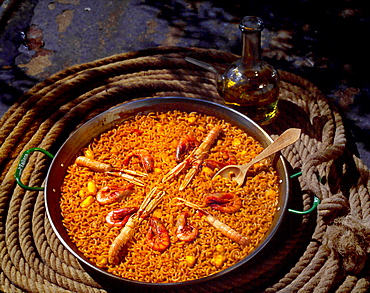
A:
161, 132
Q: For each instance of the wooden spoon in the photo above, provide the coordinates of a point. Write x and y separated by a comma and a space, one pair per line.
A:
239, 172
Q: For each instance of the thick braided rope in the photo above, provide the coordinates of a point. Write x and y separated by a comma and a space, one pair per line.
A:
322, 280
33, 259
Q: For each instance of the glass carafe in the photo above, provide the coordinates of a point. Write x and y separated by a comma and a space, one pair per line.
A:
251, 85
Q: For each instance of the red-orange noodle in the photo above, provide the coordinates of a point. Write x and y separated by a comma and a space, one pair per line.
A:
159, 133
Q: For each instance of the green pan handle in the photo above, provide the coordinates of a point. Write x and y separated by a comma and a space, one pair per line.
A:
316, 200
22, 164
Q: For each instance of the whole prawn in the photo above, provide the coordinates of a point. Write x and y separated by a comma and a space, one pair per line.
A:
97, 166
119, 218
224, 202
123, 237
93, 164
111, 193
227, 231
146, 159
186, 144
194, 159
157, 237
127, 232
185, 231
217, 224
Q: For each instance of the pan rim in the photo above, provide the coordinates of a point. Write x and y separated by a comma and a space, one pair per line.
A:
122, 112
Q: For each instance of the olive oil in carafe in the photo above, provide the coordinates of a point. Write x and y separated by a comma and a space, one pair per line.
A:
251, 85
256, 95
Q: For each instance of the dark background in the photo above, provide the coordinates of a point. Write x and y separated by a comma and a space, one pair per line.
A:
325, 42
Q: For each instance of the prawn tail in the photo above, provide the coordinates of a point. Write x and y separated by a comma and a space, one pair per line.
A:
228, 231
122, 239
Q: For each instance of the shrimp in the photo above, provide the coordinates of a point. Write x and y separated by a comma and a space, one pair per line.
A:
149, 203
157, 237
186, 144
185, 231
146, 159
218, 225
119, 218
106, 168
227, 231
194, 159
212, 164
111, 193
224, 202
93, 164
123, 237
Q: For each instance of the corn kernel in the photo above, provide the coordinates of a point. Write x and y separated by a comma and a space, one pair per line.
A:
89, 154
114, 150
101, 260
159, 126
218, 261
157, 214
87, 201
202, 128
220, 248
157, 170
243, 153
271, 193
91, 188
174, 143
207, 171
192, 119
236, 142
165, 158
190, 260
81, 193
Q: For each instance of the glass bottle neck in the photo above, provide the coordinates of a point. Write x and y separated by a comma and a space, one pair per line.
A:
251, 53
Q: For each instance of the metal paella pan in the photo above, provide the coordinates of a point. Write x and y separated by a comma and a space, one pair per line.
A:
109, 119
